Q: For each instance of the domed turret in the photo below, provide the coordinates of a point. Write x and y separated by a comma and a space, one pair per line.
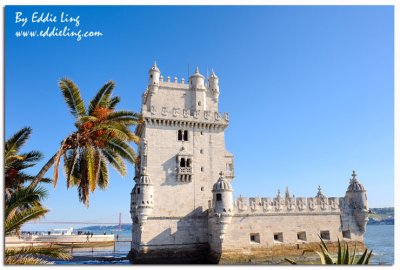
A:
154, 78
196, 81
222, 204
214, 84
142, 199
356, 202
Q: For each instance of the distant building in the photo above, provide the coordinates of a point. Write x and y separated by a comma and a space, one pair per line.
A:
182, 205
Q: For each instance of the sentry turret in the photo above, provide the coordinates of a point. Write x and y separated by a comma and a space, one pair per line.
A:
222, 206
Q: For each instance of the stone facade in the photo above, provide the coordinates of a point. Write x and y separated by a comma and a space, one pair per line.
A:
182, 205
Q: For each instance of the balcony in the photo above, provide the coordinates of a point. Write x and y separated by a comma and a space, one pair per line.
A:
185, 170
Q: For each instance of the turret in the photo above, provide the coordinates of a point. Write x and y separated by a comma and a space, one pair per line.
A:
196, 81
196, 85
213, 82
142, 200
356, 202
222, 204
154, 78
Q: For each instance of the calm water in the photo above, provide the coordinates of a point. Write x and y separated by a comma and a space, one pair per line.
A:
379, 238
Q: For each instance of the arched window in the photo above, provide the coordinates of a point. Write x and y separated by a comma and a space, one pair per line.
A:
182, 163
219, 197
185, 135
188, 162
179, 135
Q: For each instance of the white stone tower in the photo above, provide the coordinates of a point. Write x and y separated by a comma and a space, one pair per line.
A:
181, 153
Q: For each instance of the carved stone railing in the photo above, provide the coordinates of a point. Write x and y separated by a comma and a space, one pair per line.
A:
258, 205
185, 170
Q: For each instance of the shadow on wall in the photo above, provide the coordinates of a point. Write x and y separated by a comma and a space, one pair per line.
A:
185, 243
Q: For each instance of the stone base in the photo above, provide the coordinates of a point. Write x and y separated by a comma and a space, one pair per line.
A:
200, 254
300, 253
191, 254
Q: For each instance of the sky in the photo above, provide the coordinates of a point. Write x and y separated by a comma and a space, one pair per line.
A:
309, 90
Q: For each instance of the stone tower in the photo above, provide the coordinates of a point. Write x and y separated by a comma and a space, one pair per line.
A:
181, 154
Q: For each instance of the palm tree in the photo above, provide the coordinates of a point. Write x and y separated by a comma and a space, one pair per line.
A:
101, 138
23, 204
16, 162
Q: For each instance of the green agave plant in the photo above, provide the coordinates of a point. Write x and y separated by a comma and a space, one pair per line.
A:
343, 256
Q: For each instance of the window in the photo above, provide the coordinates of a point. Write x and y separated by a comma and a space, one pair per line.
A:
201, 132
325, 235
278, 237
151, 76
199, 103
346, 234
219, 197
202, 169
183, 135
229, 167
301, 236
255, 238
202, 189
182, 163
138, 191
188, 162
201, 151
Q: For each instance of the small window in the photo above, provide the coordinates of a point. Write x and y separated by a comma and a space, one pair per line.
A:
138, 191
199, 103
255, 238
201, 132
179, 135
278, 237
188, 162
325, 235
185, 135
301, 236
346, 234
201, 151
151, 76
219, 197
202, 188
182, 163
202, 169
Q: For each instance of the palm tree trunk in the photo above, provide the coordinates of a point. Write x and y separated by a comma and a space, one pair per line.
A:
43, 171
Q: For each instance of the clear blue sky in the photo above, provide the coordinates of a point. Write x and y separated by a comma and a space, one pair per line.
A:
309, 90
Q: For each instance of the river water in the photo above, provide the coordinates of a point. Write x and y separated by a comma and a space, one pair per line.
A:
379, 238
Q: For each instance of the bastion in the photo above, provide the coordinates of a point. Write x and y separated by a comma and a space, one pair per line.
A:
182, 204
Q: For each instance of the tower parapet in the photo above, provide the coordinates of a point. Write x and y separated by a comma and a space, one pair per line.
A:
288, 204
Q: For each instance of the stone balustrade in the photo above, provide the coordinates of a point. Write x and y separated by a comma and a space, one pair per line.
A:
256, 205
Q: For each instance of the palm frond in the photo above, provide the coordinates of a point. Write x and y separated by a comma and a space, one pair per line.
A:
115, 161
15, 221
55, 253
102, 97
113, 103
13, 144
122, 149
103, 175
72, 97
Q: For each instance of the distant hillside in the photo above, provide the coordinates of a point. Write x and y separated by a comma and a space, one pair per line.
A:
381, 216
